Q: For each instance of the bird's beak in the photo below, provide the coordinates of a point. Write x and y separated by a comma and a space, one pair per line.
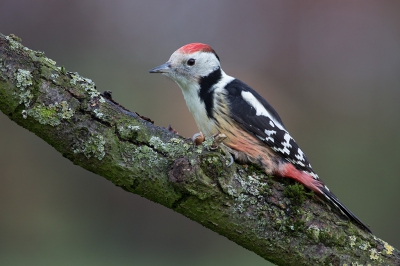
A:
164, 68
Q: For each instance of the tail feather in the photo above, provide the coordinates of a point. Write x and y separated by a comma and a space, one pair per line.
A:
316, 185
334, 200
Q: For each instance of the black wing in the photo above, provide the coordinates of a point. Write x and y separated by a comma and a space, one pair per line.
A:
267, 126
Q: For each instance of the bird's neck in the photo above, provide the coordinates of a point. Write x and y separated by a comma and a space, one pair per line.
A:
200, 95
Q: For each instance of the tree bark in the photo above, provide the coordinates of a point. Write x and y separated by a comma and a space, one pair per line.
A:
277, 219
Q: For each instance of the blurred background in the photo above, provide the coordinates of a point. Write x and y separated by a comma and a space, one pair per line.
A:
331, 69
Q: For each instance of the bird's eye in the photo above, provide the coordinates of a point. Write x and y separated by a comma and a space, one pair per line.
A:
191, 62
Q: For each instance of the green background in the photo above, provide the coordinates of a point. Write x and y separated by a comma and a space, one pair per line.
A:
331, 69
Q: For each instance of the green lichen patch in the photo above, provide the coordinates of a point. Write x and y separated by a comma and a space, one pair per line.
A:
374, 254
92, 147
48, 71
249, 196
172, 148
98, 113
321, 235
47, 65
54, 77
208, 143
313, 232
296, 226
132, 131
23, 80
45, 115
14, 42
352, 241
143, 157
211, 165
148, 157
51, 114
388, 249
333, 239
364, 246
128, 132
49, 61
87, 84
254, 184
199, 185
15, 37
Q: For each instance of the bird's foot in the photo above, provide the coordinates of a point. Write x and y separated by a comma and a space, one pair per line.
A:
198, 138
228, 154
218, 138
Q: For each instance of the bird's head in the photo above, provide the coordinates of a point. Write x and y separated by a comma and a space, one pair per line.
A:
189, 64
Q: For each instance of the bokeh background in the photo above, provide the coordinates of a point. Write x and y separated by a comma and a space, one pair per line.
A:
330, 68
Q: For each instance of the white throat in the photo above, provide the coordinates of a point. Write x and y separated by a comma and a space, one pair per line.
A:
190, 90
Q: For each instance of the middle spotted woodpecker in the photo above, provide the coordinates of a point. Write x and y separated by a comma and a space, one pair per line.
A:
254, 131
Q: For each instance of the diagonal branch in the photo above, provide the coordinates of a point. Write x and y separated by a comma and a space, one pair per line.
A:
275, 218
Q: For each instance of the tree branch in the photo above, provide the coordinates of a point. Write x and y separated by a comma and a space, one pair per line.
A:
275, 218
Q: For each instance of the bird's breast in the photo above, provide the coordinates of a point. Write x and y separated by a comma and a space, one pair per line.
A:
197, 107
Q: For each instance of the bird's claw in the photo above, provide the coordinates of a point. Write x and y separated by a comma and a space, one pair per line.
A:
218, 139
231, 159
198, 138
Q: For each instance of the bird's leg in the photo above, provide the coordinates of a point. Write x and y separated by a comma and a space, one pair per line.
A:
218, 138
226, 150
198, 138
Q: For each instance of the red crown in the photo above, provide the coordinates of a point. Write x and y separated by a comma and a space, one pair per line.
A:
195, 47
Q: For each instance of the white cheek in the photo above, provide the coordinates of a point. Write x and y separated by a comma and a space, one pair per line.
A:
205, 64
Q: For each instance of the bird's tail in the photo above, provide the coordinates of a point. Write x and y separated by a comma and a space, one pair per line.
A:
316, 185
334, 200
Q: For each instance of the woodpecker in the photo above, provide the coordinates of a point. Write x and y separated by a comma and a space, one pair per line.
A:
254, 131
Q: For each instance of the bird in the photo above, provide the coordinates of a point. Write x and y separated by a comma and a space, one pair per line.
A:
253, 130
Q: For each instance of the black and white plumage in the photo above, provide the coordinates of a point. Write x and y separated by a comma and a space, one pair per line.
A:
254, 130
257, 116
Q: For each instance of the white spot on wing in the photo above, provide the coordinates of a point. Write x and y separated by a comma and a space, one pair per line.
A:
260, 109
269, 133
300, 155
286, 144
